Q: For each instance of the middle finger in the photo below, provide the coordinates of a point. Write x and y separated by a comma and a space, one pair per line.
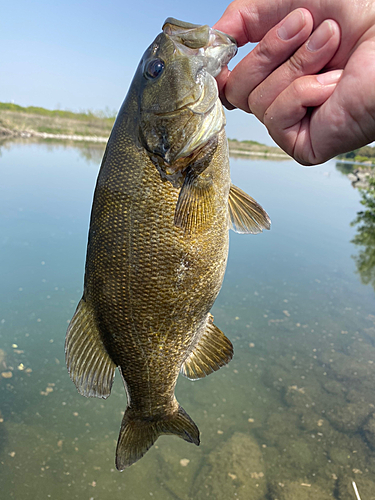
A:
273, 50
311, 58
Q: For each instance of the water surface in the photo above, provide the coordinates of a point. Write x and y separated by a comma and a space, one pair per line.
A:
291, 417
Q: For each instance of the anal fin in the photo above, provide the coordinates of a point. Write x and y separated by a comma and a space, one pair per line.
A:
246, 215
213, 351
88, 363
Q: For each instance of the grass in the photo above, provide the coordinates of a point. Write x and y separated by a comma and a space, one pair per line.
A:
35, 110
16, 119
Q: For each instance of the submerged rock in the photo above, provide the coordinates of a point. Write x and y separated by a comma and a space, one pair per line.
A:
334, 387
369, 431
348, 418
233, 470
178, 466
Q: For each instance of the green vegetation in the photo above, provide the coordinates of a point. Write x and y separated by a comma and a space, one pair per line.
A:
82, 115
34, 121
365, 237
366, 154
247, 147
253, 143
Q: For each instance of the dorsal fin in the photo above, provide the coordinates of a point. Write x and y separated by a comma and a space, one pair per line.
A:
213, 351
89, 364
246, 215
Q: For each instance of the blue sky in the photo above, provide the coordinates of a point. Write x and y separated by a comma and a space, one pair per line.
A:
82, 55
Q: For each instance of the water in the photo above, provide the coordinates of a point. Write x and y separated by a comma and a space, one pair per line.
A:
291, 417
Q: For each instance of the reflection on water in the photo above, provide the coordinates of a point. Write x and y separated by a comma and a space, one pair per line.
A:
365, 237
345, 167
291, 417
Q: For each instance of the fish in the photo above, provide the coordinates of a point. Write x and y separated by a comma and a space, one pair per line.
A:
158, 240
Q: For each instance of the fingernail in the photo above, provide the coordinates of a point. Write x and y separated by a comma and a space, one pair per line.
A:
329, 78
291, 25
321, 36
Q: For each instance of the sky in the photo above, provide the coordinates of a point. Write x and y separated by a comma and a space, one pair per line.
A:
81, 55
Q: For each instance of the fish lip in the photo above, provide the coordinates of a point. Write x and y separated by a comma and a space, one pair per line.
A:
215, 47
231, 38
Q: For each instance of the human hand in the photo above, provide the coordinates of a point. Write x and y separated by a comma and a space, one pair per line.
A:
312, 115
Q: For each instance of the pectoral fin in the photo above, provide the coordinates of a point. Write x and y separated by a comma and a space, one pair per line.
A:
246, 215
195, 203
89, 365
212, 352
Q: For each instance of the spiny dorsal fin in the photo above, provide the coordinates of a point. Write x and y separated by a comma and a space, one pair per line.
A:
212, 352
246, 215
89, 365
195, 203
137, 436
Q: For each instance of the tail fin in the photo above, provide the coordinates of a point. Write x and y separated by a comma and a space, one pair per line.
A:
137, 436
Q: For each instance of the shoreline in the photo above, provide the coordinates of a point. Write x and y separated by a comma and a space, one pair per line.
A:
28, 134
239, 152
8, 134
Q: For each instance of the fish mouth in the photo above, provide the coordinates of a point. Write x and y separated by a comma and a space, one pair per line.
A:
214, 46
214, 49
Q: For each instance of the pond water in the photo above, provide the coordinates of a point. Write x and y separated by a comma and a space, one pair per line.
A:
291, 417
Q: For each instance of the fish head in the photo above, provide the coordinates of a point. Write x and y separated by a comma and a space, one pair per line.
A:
179, 107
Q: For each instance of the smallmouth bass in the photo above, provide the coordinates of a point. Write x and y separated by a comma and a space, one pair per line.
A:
158, 240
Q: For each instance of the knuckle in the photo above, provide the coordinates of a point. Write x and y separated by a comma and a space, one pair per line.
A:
263, 52
254, 102
296, 63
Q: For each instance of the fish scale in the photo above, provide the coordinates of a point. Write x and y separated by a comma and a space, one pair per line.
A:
158, 241
144, 296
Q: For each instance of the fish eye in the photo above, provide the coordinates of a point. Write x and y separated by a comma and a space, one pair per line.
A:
154, 68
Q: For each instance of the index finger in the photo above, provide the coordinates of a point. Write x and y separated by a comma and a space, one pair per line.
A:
249, 20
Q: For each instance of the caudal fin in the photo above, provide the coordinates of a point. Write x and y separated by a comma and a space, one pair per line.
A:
137, 436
